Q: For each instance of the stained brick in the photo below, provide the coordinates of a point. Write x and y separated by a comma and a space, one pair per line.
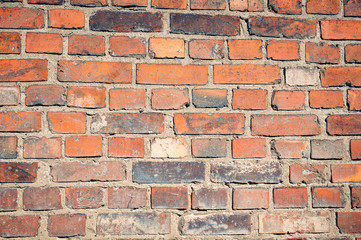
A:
86, 97
168, 148
326, 99
346, 172
245, 49
328, 197
344, 124
356, 197
10, 42
249, 99
127, 46
206, 198
126, 99
170, 198
303, 173
283, 50
323, 6
353, 100
339, 76
8, 147
19, 226
327, 149
127, 197
349, 222
246, 198
290, 197
286, 7
322, 53
18, 172
23, 70
169, 99
35, 147
8, 199
86, 45
36, 198
341, 29
209, 148
20, 121
208, 4
288, 100
66, 225
22, 18
352, 53
38, 95
209, 98
289, 148
355, 148
84, 197
44, 43
352, 8
67, 122
206, 49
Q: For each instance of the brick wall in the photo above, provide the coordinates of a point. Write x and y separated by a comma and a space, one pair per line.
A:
176, 119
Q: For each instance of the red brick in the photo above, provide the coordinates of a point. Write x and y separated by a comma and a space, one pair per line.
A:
246, 74
294, 222
128, 123
8, 199
126, 147
83, 146
209, 98
282, 27
352, 53
35, 147
166, 48
23, 70
8, 147
246, 5
352, 8
356, 197
67, 122
36, 198
339, 76
249, 148
170, 74
169, 99
84, 197
38, 95
326, 99
178, 4
19, 226
209, 148
122, 46
323, 6
103, 72
286, 7
86, 97
349, 222
245, 49
23, 18
246, 198
66, 225
289, 148
20, 121
44, 43
127, 197
50, 2
127, 99
353, 100
341, 29
206, 198
283, 50
200, 123
21, 172
89, 3
170, 198
10, 42
86, 172
287, 125
206, 49
288, 100
130, 3
86, 45
344, 124
208, 5
323, 197
302, 173
204, 24
322, 53
290, 197
249, 99
355, 148
346, 172
66, 18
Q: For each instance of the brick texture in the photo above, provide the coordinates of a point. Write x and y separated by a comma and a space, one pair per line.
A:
180, 119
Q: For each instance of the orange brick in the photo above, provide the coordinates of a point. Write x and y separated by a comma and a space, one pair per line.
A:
355, 148
66, 18
130, 3
206, 4
10, 42
35, 147
126, 147
286, 7
323, 6
339, 76
353, 53
178, 4
89, 3
283, 50
322, 53
23, 70
83, 146
246, 74
288, 100
166, 48
67, 122
127, 47
246, 5
249, 148
328, 197
127, 99
290, 197
255, 198
23, 18
249, 99
20, 121
303, 173
289, 148
44, 43
52, 2
167, 99
326, 99
86, 45
354, 100
341, 29
245, 49
170, 74
206, 49
346, 172
38, 95
86, 97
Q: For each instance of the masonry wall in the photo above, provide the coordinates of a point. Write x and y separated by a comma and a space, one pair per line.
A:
176, 119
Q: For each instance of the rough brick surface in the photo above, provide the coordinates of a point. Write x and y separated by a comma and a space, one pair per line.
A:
180, 119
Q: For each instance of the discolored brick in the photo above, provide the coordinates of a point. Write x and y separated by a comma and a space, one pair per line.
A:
84, 197
18, 172
86, 45
37, 198
209, 98
303, 173
209, 148
246, 198
10, 42
35, 147
19, 226
206, 49
23, 70
289, 148
327, 149
168, 148
38, 95
8, 147
67, 122
20, 121
8, 199
127, 197
206, 198
22, 18
328, 197
344, 124
170, 198
66, 225
86, 97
